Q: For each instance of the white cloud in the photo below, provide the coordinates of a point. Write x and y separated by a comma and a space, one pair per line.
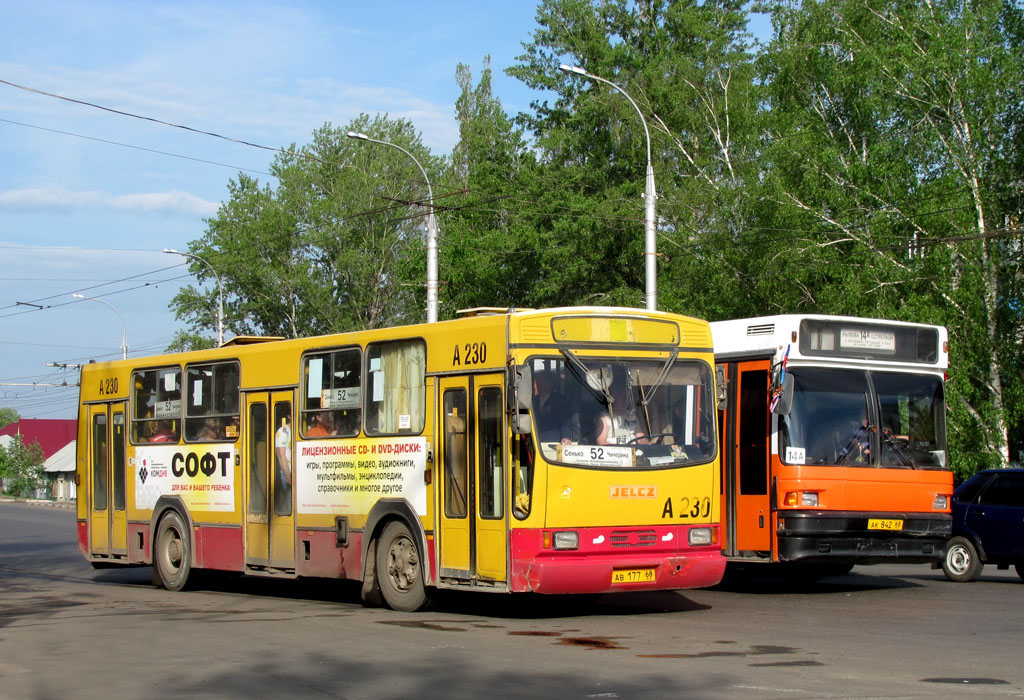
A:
175, 202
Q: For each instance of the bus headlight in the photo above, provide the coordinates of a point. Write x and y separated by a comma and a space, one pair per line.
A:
809, 498
567, 540
941, 502
700, 536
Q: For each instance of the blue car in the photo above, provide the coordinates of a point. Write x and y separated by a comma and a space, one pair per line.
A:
988, 524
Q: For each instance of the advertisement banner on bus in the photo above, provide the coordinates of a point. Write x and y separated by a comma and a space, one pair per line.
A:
202, 475
350, 476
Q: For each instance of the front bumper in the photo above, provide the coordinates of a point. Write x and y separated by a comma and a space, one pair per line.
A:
845, 537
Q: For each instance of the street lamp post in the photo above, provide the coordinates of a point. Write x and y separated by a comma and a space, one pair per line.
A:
650, 215
220, 292
431, 228
124, 332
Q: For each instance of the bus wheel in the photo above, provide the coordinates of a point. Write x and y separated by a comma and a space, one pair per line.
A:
172, 558
399, 569
962, 563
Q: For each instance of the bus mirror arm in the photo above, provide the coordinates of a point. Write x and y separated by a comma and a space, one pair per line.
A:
785, 404
520, 393
721, 388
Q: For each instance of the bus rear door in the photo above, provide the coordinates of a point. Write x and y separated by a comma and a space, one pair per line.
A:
108, 519
745, 460
473, 530
269, 448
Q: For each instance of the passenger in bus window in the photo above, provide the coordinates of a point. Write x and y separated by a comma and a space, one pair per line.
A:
620, 424
858, 447
282, 449
210, 430
321, 424
164, 432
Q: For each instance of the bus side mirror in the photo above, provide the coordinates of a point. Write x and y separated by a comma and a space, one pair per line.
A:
785, 403
520, 393
721, 388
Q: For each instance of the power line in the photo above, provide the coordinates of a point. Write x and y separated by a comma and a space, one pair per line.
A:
137, 148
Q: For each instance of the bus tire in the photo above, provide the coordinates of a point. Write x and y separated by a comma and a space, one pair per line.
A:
961, 563
400, 569
172, 554
370, 592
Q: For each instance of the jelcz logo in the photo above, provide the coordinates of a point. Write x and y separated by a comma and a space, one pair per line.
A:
633, 492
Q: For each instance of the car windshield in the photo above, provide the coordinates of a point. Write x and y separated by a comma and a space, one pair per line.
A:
621, 414
850, 417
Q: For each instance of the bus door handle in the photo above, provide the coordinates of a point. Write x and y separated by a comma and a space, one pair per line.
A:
760, 521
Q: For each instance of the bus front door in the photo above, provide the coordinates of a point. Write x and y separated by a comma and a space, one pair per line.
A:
473, 532
746, 460
269, 510
108, 519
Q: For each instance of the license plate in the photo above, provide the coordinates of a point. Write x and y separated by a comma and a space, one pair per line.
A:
633, 576
884, 524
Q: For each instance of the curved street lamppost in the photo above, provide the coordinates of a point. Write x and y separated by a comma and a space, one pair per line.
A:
220, 291
124, 332
431, 228
650, 216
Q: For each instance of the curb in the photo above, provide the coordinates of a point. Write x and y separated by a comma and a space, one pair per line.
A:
65, 505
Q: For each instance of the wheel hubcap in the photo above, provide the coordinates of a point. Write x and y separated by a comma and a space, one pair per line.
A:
403, 564
959, 560
173, 551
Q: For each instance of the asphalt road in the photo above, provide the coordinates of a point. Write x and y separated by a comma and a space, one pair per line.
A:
68, 631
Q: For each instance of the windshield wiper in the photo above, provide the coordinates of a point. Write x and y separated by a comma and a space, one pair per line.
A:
661, 376
585, 374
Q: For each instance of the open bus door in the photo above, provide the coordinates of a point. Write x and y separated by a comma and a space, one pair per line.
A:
108, 519
746, 460
269, 509
473, 530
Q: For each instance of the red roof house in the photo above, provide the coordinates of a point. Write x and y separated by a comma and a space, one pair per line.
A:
51, 433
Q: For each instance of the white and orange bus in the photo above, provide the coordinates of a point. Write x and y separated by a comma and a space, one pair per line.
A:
833, 441
560, 451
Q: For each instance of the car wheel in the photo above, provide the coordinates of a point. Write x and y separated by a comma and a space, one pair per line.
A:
962, 562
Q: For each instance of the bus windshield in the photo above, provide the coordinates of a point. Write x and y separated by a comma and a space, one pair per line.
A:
623, 413
849, 417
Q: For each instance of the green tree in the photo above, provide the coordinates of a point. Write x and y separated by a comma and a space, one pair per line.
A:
886, 191
689, 66
489, 254
21, 467
8, 416
326, 250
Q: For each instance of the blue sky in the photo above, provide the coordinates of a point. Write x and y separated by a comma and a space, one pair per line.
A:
88, 197
78, 213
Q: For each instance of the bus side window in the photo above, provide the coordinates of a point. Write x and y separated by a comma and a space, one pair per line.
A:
456, 467
332, 399
156, 405
523, 476
395, 373
211, 408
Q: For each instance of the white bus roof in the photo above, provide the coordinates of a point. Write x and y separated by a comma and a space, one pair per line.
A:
829, 339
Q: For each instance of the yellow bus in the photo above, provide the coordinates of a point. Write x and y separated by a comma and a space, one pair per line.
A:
567, 450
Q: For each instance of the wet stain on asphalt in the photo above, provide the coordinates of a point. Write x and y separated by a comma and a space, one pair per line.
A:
535, 633
756, 650
423, 624
590, 642
806, 662
966, 681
